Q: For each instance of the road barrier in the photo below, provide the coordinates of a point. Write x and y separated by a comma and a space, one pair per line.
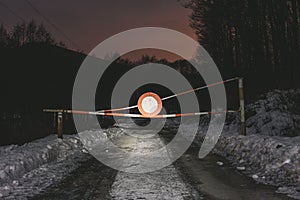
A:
150, 105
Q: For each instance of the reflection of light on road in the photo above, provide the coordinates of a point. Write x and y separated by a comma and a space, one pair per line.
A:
150, 130
161, 184
134, 153
133, 143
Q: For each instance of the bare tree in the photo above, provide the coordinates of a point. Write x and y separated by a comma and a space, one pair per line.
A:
250, 36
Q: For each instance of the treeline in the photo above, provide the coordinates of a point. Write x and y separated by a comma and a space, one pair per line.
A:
257, 39
25, 33
181, 65
36, 73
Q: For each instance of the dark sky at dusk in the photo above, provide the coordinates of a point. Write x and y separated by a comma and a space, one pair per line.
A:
89, 22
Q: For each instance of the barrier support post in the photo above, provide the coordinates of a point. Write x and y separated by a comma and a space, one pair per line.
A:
242, 106
54, 122
60, 125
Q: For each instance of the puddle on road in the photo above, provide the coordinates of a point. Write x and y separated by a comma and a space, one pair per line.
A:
222, 182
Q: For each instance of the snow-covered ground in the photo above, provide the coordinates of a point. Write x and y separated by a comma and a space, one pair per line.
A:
266, 154
277, 113
270, 160
31, 168
28, 169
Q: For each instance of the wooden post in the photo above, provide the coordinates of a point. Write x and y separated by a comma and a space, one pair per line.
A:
242, 106
60, 125
54, 122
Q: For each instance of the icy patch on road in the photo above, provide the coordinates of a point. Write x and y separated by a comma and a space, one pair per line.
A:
264, 154
164, 183
161, 184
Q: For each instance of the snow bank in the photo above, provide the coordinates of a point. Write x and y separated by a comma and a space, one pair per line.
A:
95, 137
18, 160
27, 170
276, 114
269, 160
265, 155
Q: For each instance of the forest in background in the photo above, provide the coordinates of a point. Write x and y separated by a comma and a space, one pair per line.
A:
38, 72
256, 39
26, 33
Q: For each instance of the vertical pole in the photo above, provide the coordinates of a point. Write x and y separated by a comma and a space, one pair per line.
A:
60, 125
242, 105
54, 122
